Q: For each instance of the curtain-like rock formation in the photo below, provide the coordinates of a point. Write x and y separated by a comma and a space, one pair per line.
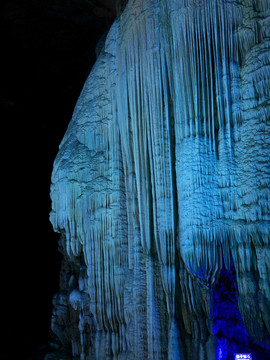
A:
162, 183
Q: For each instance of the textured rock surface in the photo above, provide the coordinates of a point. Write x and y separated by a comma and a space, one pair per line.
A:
161, 183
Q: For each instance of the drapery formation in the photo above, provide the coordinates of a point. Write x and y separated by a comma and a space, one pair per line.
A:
162, 180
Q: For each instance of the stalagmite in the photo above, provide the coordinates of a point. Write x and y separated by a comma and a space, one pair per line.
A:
162, 183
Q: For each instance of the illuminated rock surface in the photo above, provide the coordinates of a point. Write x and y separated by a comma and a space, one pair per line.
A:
161, 184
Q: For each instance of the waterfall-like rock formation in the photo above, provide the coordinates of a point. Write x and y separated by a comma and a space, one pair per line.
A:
160, 189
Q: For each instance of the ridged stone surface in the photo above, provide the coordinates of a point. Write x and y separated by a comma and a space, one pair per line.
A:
162, 182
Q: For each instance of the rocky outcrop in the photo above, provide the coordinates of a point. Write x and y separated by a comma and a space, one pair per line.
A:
161, 184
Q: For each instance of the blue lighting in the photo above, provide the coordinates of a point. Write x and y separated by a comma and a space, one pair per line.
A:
228, 325
222, 349
233, 340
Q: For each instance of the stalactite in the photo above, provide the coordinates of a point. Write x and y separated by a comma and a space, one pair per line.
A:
162, 178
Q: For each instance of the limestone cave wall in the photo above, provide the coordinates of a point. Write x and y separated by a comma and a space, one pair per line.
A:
160, 189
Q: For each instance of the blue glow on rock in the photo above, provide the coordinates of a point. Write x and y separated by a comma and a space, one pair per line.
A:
222, 349
233, 340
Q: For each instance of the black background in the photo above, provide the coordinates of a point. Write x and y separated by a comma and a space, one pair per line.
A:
47, 51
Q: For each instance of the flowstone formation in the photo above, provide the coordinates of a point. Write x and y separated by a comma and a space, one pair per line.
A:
160, 189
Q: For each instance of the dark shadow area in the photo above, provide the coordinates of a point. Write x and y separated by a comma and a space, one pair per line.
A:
47, 51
